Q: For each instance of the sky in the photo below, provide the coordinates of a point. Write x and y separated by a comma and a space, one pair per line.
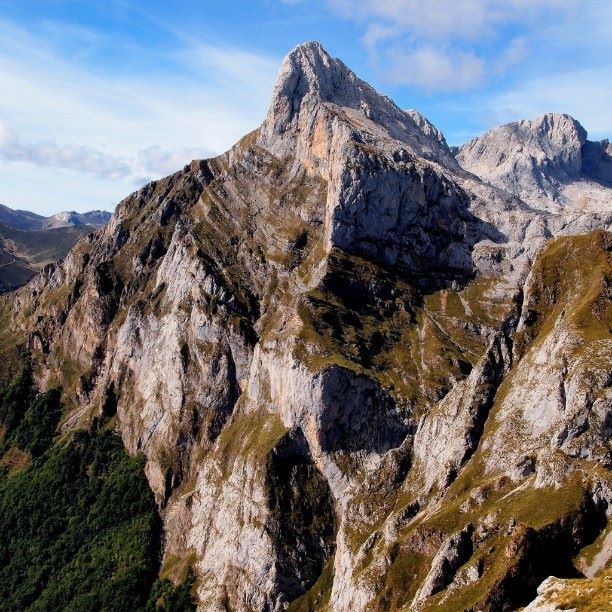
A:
98, 98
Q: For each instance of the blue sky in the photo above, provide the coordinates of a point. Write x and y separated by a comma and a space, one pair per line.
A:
97, 98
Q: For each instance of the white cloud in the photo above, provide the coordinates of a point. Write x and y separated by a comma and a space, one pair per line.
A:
512, 55
441, 19
376, 33
191, 100
48, 153
151, 161
435, 70
448, 45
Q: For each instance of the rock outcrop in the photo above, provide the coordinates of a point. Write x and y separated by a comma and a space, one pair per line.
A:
547, 162
362, 377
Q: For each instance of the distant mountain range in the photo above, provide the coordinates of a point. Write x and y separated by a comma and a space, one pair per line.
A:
29, 241
26, 220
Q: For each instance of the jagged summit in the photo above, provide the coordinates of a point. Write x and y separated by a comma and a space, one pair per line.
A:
427, 126
546, 161
309, 77
555, 125
556, 137
309, 70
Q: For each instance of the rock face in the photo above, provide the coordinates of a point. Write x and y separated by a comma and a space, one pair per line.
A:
547, 162
363, 378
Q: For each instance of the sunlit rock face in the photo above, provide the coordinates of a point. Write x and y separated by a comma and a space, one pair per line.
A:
547, 162
363, 377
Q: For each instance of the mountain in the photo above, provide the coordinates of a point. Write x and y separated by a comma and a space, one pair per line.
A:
20, 219
361, 377
23, 253
28, 241
94, 218
26, 220
547, 162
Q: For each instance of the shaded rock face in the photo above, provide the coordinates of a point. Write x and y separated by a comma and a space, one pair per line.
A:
452, 554
362, 378
597, 161
399, 215
357, 414
302, 518
451, 432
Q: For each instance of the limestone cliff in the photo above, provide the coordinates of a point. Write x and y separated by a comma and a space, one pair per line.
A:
362, 377
548, 162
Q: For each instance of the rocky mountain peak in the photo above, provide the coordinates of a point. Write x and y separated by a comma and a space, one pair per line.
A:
556, 127
309, 70
555, 138
309, 77
309, 74
558, 136
541, 160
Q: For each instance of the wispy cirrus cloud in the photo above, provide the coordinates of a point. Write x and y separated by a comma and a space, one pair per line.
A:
151, 162
74, 116
448, 45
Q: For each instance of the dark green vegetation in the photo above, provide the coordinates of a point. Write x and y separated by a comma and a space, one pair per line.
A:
79, 529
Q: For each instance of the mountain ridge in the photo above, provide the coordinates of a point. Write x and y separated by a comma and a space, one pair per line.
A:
26, 220
93, 218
